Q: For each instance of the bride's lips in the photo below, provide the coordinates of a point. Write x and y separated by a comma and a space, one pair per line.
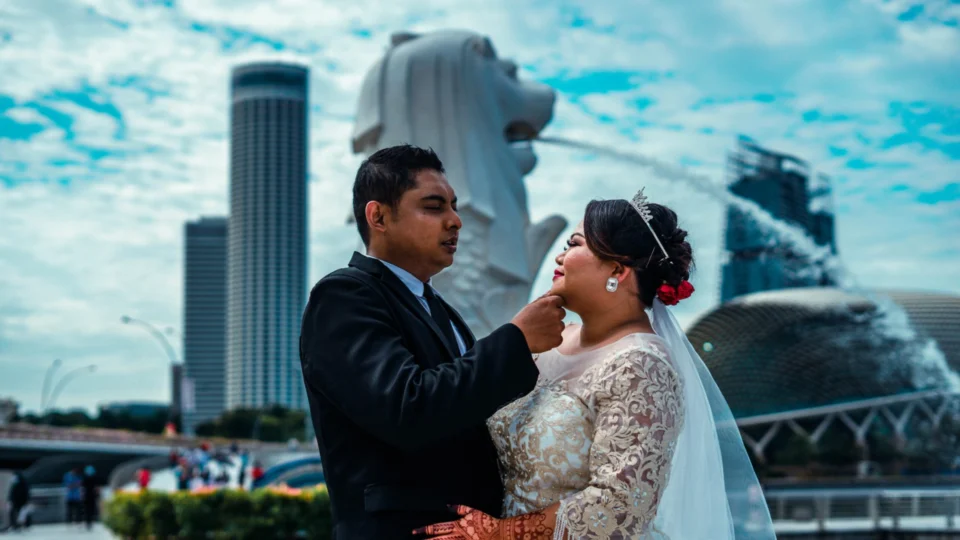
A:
557, 274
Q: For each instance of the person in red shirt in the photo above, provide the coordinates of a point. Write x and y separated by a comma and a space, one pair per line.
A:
143, 478
257, 472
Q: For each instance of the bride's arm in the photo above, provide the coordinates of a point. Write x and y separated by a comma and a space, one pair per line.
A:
639, 411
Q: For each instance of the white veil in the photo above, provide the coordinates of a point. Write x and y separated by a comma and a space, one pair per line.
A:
713, 492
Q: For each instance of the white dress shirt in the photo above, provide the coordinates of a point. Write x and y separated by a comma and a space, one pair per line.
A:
416, 287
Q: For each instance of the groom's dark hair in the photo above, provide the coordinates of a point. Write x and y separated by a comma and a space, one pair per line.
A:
385, 176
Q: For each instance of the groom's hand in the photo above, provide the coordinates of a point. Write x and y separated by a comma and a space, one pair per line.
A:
541, 322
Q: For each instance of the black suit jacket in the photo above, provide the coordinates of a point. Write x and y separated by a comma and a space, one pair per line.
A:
399, 415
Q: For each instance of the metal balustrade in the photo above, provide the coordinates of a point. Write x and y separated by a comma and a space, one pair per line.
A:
864, 509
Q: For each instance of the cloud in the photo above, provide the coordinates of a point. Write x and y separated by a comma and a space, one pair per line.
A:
114, 118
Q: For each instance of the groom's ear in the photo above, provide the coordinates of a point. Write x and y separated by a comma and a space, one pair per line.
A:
375, 212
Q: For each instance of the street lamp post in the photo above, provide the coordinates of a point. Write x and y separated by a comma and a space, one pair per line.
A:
69, 376
171, 355
47, 379
155, 332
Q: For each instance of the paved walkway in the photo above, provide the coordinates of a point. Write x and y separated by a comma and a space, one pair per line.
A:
56, 532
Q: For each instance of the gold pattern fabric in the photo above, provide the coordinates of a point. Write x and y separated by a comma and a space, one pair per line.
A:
597, 435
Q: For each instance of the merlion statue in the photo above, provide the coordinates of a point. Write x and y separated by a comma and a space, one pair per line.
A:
449, 91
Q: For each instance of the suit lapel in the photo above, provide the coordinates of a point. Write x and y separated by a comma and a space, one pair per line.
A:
468, 338
407, 298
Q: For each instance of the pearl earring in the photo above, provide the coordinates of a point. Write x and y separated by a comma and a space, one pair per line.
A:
612, 284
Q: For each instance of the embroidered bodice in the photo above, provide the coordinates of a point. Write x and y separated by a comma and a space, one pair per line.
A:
596, 435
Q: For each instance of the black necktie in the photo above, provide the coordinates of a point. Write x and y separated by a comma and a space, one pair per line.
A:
441, 317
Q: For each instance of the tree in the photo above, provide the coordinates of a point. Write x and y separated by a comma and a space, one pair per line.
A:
935, 450
798, 451
838, 447
273, 424
152, 423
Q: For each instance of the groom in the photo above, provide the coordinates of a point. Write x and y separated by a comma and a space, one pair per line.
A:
399, 388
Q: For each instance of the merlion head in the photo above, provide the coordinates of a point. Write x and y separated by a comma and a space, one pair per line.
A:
452, 81
449, 91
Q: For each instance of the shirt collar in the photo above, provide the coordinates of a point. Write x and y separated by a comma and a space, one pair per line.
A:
408, 279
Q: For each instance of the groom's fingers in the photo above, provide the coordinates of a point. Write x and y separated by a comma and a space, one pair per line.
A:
553, 296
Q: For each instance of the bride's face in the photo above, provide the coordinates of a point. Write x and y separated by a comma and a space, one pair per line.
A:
580, 274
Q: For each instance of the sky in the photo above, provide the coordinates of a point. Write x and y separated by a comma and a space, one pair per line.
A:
114, 123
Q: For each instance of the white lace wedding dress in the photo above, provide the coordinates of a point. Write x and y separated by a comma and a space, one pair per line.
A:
597, 435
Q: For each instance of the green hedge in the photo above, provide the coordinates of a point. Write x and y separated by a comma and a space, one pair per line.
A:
270, 513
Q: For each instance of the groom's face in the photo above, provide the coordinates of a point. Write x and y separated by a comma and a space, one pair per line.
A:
423, 229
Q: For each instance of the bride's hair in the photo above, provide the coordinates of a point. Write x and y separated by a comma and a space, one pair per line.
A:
615, 232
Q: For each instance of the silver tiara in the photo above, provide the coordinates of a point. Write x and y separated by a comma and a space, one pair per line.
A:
639, 203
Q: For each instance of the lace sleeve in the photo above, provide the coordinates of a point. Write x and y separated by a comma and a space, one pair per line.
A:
638, 402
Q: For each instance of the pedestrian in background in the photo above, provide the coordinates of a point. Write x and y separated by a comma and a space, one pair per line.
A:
91, 496
18, 497
73, 482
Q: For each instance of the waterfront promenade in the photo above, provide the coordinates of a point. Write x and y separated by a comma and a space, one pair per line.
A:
60, 532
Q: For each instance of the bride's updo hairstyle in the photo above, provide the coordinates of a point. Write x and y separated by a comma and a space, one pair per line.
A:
615, 232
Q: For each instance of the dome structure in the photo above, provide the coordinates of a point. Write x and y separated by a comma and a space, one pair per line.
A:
778, 351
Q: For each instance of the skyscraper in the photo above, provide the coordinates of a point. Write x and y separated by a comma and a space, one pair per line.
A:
204, 320
267, 249
780, 184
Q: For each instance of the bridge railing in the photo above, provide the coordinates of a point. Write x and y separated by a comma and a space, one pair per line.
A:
46, 433
49, 505
30, 433
865, 509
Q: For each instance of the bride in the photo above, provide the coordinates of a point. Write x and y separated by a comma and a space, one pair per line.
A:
626, 435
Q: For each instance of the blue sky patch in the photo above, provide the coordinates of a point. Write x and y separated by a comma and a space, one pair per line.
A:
910, 14
232, 39
152, 88
860, 164
12, 129
117, 23
600, 82
951, 149
948, 193
59, 119
836, 151
160, 3
85, 96
575, 18
759, 97
642, 103
815, 115
922, 124
764, 98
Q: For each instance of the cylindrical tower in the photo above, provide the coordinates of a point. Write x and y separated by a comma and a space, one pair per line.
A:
267, 240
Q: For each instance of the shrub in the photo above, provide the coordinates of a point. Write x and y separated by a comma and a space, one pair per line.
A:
270, 513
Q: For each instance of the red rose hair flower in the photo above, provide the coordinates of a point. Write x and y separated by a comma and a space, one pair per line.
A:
670, 295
